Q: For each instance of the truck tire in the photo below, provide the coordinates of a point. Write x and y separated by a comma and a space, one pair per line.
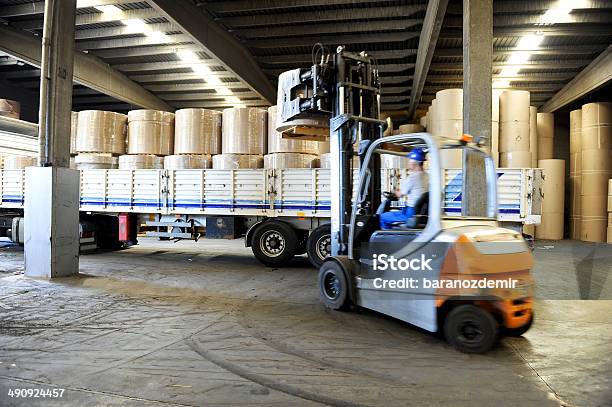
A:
274, 243
318, 246
333, 286
470, 329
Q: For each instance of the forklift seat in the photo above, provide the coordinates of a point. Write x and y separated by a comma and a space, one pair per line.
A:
421, 214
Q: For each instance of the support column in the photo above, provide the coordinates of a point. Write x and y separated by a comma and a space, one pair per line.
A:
52, 189
477, 65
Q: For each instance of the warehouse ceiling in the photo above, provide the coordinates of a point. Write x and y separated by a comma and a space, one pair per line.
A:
170, 47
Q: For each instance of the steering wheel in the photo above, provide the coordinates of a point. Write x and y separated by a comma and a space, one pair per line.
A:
389, 195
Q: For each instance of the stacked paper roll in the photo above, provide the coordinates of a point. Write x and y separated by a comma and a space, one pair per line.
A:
495, 95
150, 132
74, 119
596, 144
18, 162
94, 161
237, 161
410, 128
278, 144
551, 227
533, 135
197, 131
188, 162
323, 147
451, 158
325, 161
546, 133
434, 117
514, 129
423, 121
279, 161
100, 132
244, 131
575, 173
141, 162
609, 239
10, 108
449, 114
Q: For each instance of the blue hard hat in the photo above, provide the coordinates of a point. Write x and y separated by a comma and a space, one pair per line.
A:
417, 155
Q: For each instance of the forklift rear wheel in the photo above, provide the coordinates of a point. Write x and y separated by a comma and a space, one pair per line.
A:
318, 246
516, 332
274, 243
333, 286
470, 329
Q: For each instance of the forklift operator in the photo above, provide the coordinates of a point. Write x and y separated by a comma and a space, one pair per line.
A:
412, 188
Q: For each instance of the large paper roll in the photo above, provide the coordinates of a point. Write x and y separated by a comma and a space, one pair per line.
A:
74, 120
495, 104
187, 162
237, 161
596, 137
141, 162
594, 114
94, 161
514, 106
423, 121
575, 130
451, 158
278, 144
551, 226
18, 162
100, 132
450, 104
279, 161
244, 131
449, 129
410, 128
197, 131
323, 147
533, 135
10, 108
546, 125
495, 142
554, 185
150, 132
593, 229
574, 227
545, 148
515, 159
514, 136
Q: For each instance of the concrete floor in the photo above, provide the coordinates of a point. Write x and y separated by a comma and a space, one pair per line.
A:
188, 324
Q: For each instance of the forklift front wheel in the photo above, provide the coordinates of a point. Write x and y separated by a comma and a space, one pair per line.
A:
333, 286
470, 329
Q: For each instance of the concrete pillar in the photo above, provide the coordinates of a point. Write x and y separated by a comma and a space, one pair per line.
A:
52, 190
477, 64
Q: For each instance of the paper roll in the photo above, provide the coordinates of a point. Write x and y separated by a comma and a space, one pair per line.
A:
278, 144
554, 185
74, 120
280, 161
576, 196
593, 229
594, 114
451, 158
514, 106
423, 121
574, 227
150, 132
141, 162
551, 226
449, 129
450, 104
410, 128
100, 132
10, 108
594, 183
237, 161
197, 131
533, 135
244, 131
495, 142
187, 162
575, 130
545, 148
94, 161
515, 159
596, 137
495, 104
596, 160
323, 147
546, 125
514, 136
18, 162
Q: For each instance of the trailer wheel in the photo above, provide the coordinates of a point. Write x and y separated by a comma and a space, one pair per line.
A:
516, 332
318, 246
470, 329
274, 243
333, 286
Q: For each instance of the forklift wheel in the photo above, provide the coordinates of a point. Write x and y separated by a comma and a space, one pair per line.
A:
318, 246
274, 243
515, 332
333, 286
470, 329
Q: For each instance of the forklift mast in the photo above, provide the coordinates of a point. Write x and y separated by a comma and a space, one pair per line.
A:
345, 87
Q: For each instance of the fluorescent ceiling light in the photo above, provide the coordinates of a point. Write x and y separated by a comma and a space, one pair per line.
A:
233, 99
509, 71
136, 25
188, 56
530, 41
158, 36
108, 9
556, 16
518, 58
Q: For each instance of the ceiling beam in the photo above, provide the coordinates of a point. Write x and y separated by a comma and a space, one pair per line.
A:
192, 87
119, 31
274, 5
594, 76
143, 51
536, 6
88, 70
529, 65
217, 42
176, 77
183, 97
38, 7
94, 18
538, 77
338, 39
544, 50
141, 41
577, 30
436, 9
163, 66
307, 58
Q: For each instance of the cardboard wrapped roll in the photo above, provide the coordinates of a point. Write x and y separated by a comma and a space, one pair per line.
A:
423, 121
545, 148
596, 160
514, 106
434, 118
594, 182
237, 161
10, 108
594, 114
576, 195
609, 203
609, 239
574, 227
278, 144
197, 131
575, 164
74, 120
514, 136
450, 104
94, 161
18, 162
495, 104
495, 142
188, 162
410, 128
323, 147
575, 130
599, 137
594, 206
546, 125
449, 129
393, 161
533, 135
451, 158
100, 132
593, 229
244, 131
515, 159
279, 161
141, 162
554, 185
150, 132
551, 226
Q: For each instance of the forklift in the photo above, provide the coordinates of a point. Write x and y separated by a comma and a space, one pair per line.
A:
477, 285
